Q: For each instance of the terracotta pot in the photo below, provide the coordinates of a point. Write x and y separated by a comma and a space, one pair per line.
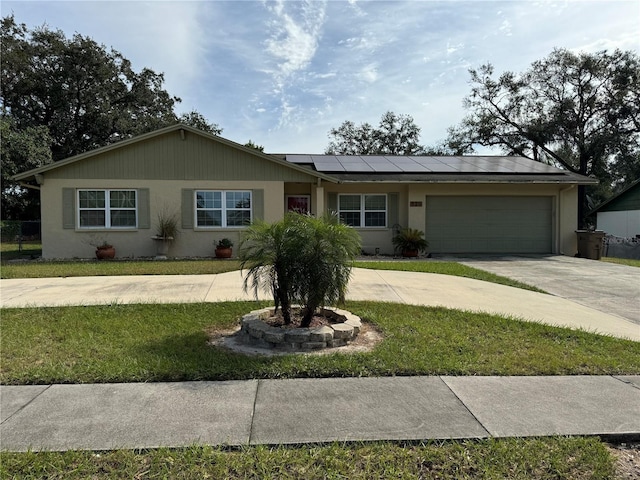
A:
105, 252
222, 252
410, 253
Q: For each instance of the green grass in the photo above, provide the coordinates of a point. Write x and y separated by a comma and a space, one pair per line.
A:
622, 261
12, 251
92, 268
195, 267
142, 343
445, 268
545, 458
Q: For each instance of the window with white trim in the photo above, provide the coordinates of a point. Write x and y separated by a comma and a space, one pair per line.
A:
363, 210
223, 208
107, 209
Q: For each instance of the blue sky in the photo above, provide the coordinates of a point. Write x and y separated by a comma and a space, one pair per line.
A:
283, 73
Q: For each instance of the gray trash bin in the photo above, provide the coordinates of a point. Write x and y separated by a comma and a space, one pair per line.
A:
590, 244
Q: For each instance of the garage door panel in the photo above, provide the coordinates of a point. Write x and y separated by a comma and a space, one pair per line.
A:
492, 224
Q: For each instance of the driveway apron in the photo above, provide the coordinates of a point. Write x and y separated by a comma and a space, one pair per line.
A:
607, 287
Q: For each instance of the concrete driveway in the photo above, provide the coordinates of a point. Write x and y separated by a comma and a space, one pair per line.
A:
607, 287
377, 285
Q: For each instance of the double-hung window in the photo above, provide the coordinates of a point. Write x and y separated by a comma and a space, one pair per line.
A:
363, 210
223, 208
107, 209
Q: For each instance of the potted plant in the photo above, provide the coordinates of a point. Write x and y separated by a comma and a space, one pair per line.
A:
223, 248
410, 242
105, 251
166, 232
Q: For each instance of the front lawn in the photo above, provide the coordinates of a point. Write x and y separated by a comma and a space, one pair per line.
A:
92, 268
152, 343
532, 458
622, 261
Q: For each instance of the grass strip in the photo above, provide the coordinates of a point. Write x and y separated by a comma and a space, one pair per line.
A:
622, 261
533, 458
93, 268
445, 268
142, 343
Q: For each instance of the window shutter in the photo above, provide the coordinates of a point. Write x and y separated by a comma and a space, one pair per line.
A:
393, 206
258, 204
68, 208
332, 202
187, 208
144, 215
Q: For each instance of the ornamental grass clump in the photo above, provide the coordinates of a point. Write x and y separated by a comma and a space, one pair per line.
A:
300, 259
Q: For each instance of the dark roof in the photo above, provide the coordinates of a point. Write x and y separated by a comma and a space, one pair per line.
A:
427, 169
376, 168
620, 196
30, 174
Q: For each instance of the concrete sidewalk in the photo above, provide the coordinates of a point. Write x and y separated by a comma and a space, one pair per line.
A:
377, 285
148, 415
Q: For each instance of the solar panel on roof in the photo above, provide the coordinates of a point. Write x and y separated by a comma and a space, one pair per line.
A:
421, 164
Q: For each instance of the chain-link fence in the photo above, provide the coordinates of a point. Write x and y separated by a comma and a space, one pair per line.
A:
620, 247
15, 231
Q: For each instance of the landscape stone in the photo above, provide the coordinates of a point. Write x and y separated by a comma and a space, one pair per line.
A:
297, 335
313, 345
274, 335
342, 330
255, 331
321, 334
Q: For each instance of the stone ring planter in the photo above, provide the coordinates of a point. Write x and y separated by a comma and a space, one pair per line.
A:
255, 331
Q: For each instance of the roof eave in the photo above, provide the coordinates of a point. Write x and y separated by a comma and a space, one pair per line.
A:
31, 174
609, 200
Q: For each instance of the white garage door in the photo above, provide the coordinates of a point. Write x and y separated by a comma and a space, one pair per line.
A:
489, 224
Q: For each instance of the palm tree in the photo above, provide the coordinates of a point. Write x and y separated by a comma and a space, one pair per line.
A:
300, 259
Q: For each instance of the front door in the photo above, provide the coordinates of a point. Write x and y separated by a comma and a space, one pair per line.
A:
299, 203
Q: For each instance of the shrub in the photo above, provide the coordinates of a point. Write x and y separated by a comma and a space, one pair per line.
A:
300, 259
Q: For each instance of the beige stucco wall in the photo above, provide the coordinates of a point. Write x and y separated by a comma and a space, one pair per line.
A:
375, 238
164, 194
564, 201
567, 240
59, 242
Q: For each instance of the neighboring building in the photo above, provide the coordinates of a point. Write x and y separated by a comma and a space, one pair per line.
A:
620, 215
463, 204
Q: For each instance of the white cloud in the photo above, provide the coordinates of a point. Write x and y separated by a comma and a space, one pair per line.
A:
294, 35
369, 73
505, 27
283, 73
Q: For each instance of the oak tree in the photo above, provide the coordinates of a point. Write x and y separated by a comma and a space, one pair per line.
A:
395, 135
578, 111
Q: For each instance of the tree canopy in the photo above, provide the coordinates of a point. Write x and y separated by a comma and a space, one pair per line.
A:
579, 111
74, 95
21, 150
395, 135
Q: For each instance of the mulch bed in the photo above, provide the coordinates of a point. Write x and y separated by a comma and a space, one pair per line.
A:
277, 320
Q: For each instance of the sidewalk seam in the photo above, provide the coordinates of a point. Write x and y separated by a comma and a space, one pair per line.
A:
390, 287
25, 405
253, 412
489, 434
206, 295
626, 382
